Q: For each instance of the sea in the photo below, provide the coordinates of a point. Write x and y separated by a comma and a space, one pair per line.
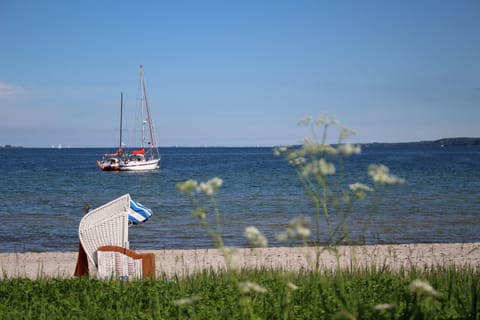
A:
43, 193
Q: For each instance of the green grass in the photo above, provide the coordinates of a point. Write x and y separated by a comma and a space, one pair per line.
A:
344, 295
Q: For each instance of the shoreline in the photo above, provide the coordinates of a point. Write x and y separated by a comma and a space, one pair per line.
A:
173, 262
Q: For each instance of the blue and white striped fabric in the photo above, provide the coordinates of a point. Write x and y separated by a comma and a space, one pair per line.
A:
138, 213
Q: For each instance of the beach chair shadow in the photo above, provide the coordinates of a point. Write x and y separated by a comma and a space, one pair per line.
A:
104, 246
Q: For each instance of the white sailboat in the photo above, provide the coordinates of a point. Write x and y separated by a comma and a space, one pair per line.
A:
147, 157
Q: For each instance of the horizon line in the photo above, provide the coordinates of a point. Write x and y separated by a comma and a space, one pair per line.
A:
9, 146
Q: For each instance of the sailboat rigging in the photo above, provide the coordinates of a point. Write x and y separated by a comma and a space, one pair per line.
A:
145, 158
142, 159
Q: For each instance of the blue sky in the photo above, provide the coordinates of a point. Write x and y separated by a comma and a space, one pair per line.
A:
238, 73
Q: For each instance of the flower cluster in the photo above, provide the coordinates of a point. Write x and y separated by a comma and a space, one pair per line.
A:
380, 174
187, 187
423, 287
317, 167
324, 119
298, 228
249, 286
209, 187
186, 301
255, 237
191, 187
384, 306
311, 147
348, 149
292, 286
315, 158
320, 166
359, 189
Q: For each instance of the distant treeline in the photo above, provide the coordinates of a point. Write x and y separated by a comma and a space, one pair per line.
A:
458, 141
10, 146
461, 141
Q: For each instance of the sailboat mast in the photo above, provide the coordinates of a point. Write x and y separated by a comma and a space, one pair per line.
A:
149, 116
142, 101
121, 123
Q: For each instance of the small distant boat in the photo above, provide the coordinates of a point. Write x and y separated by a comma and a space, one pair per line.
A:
147, 156
112, 161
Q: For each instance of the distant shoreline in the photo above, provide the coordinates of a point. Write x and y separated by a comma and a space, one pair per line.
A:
461, 141
458, 141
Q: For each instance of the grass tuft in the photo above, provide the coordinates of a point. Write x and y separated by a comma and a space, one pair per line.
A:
356, 294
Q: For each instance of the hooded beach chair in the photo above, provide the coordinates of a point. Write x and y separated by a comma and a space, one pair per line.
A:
103, 234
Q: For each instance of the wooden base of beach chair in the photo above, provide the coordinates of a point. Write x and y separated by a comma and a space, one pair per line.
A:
114, 261
81, 269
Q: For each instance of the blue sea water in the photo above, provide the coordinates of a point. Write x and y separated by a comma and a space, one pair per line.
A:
43, 191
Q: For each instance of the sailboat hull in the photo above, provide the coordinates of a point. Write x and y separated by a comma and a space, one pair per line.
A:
140, 165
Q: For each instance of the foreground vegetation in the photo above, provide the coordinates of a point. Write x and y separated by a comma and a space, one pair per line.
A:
360, 294
437, 293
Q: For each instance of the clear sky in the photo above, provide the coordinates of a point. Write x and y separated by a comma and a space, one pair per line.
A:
238, 73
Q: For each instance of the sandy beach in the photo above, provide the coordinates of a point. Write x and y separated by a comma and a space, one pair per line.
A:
184, 262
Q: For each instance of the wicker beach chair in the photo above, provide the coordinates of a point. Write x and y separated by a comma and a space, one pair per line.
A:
103, 234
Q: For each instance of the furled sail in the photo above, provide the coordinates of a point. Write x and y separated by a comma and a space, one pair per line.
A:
116, 154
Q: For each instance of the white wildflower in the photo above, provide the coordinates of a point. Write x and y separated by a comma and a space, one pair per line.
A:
187, 187
307, 170
316, 167
326, 168
210, 187
282, 237
187, 300
296, 158
255, 237
348, 149
299, 223
312, 147
298, 228
299, 161
423, 287
322, 120
248, 286
328, 150
327, 120
204, 187
216, 183
199, 213
360, 187
302, 232
346, 132
292, 286
360, 190
384, 306
305, 121
381, 174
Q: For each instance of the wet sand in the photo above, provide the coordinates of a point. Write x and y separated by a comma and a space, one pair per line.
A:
184, 262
